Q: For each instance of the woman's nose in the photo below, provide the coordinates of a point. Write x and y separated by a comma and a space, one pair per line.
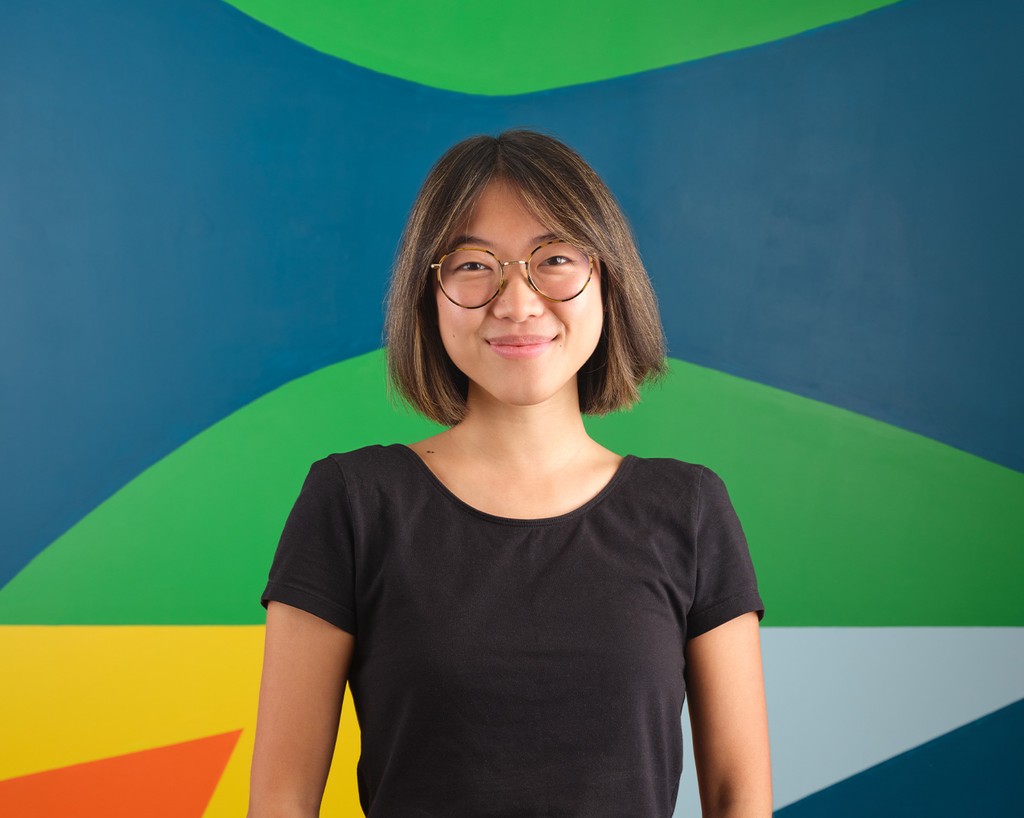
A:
517, 299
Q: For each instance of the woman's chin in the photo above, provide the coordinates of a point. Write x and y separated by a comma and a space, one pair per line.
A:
522, 395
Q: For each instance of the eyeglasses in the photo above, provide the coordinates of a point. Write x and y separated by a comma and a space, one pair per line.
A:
472, 277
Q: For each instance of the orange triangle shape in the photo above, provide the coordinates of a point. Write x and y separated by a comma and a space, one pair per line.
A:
176, 781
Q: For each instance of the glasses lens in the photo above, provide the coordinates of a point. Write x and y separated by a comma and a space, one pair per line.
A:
560, 270
470, 277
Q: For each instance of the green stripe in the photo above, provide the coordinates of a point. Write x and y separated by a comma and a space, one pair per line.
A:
531, 45
851, 521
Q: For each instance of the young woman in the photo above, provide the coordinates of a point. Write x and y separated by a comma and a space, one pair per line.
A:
517, 609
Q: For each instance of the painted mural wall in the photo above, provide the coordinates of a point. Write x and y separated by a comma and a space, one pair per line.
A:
199, 203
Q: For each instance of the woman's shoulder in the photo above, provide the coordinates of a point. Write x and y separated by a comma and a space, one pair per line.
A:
376, 454
668, 478
371, 463
669, 470
367, 477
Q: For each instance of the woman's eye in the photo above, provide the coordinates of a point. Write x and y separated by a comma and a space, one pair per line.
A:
555, 260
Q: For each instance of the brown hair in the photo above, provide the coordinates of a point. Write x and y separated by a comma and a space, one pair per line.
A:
565, 194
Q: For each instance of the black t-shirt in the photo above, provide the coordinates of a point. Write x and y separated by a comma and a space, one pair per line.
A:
509, 667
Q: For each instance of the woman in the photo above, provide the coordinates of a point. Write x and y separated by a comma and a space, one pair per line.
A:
517, 609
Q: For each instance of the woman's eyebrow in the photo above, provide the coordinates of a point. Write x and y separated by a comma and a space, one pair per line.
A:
469, 239
466, 238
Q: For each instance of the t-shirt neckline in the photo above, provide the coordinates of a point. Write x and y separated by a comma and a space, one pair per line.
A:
620, 473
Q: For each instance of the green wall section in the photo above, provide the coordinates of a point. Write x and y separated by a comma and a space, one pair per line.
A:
851, 522
531, 45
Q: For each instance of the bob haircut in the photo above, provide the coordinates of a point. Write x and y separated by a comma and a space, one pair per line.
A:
565, 194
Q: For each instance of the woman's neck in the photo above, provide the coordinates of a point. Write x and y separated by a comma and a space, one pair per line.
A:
545, 437
523, 462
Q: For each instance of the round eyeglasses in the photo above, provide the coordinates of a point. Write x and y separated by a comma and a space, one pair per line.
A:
471, 277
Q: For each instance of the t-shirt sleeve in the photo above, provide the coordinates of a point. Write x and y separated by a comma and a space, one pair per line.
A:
313, 568
726, 585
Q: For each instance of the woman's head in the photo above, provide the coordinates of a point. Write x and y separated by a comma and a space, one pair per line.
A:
561, 192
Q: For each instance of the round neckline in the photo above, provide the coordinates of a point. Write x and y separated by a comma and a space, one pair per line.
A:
624, 467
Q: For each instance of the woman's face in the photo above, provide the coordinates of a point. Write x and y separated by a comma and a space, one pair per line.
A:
520, 349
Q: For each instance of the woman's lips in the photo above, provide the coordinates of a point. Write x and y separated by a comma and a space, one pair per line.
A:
520, 346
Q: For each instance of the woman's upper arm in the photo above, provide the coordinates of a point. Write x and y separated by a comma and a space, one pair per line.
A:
305, 667
729, 719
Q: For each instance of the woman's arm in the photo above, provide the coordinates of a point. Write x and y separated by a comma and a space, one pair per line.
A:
729, 720
305, 666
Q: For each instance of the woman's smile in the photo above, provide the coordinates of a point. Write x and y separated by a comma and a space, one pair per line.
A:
520, 346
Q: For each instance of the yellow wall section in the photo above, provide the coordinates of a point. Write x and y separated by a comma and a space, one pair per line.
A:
76, 694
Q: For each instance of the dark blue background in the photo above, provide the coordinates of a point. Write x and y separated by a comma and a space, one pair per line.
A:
195, 209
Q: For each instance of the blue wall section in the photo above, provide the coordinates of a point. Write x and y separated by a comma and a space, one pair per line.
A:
194, 210
972, 771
